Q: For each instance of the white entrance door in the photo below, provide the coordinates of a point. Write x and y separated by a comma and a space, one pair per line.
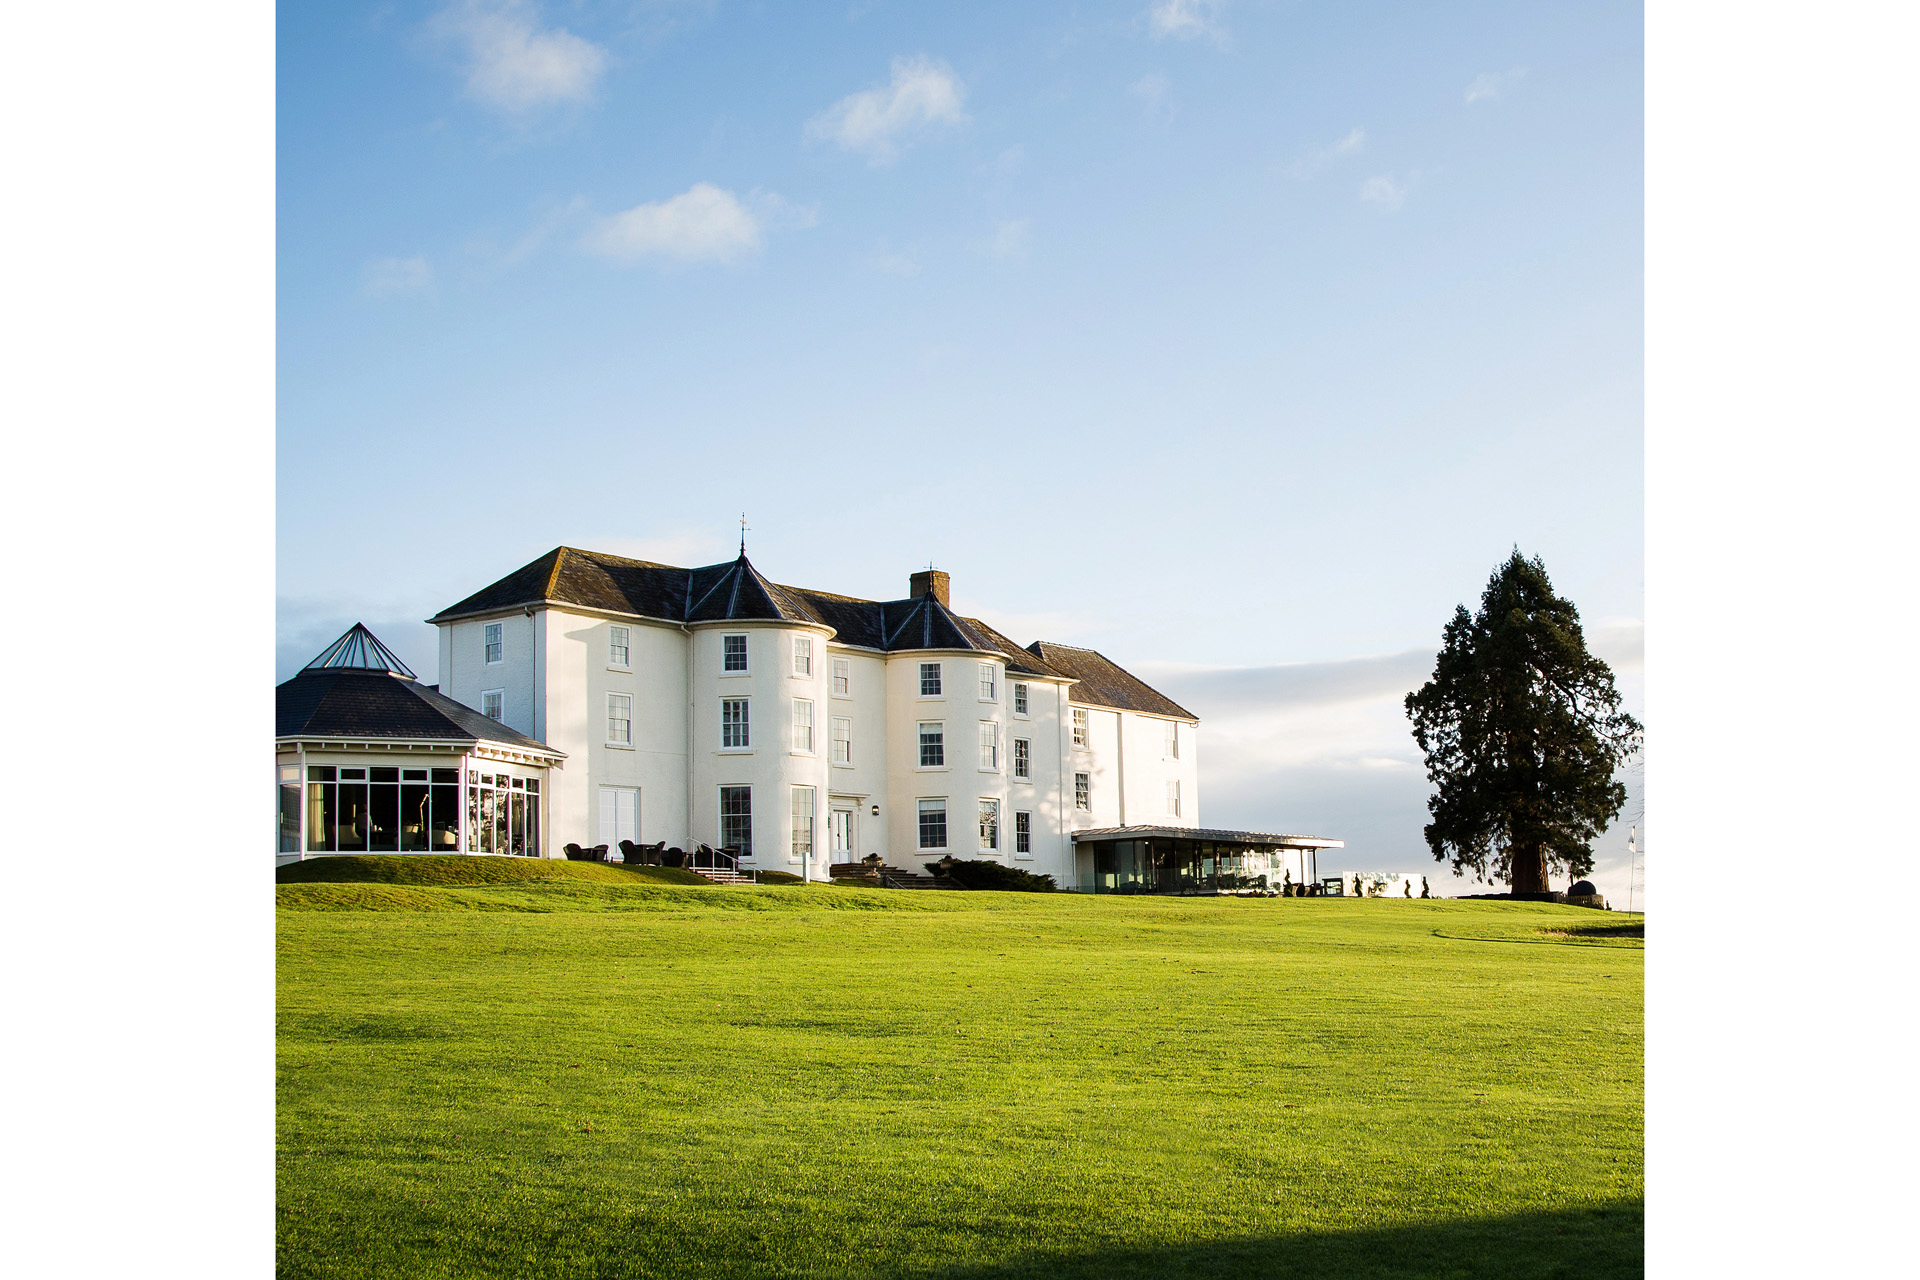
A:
619, 816
840, 835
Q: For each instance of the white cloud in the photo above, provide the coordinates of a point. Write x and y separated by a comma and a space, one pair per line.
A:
1326, 748
1009, 239
1320, 157
1185, 19
396, 277
887, 262
1490, 85
1151, 90
1385, 191
877, 122
701, 224
514, 63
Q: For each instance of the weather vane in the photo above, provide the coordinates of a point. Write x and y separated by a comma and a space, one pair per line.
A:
743, 533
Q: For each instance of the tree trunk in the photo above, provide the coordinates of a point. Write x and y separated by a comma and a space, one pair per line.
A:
1528, 871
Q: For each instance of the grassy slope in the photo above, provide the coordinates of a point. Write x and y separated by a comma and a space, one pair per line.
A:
606, 1080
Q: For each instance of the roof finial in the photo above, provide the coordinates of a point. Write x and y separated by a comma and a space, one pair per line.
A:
743, 533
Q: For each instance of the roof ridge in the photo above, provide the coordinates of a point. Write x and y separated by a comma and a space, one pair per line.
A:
553, 574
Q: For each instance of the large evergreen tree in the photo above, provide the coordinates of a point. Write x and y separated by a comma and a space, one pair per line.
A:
1523, 734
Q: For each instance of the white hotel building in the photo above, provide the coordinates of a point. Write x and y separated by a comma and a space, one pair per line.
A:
799, 728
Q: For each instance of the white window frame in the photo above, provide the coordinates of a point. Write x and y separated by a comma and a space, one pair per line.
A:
746, 655
745, 724
720, 814
842, 741
939, 680
989, 747
1173, 796
804, 841
619, 647
619, 728
1083, 792
989, 824
1023, 760
843, 677
803, 657
1022, 833
803, 725
494, 693
1021, 699
989, 683
495, 640
920, 744
1171, 747
1082, 730
920, 811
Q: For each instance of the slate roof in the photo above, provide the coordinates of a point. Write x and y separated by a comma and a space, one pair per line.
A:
1099, 682
356, 702
737, 591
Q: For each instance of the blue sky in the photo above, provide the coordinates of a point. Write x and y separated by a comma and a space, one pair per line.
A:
1240, 341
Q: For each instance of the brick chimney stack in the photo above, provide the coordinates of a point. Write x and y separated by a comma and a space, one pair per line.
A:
930, 582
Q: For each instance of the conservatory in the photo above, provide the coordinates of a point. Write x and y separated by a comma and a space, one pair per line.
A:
371, 761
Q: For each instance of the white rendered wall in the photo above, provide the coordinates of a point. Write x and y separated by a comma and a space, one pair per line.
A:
861, 784
579, 675
770, 764
1148, 769
465, 673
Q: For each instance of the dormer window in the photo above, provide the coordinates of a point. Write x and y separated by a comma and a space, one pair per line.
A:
494, 645
733, 653
929, 679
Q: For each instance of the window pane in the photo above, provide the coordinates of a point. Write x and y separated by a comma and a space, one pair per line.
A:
500, 822
803, 655
352, 817
842, 676
987, 676
517, 827
933, 824
802, 823
533, 822
1022, 832
321, 813
1022, 758
446, 815
736, 819
617, 646
383, 818
929, 679
842, 741
486, 820
446, 775
414, 816
933, 746
319, 773
989, 824
1020, 699
802, 724
290, 816
989, 746
1082, 791
733, 650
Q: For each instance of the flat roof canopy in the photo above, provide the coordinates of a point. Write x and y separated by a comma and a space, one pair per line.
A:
1207, 833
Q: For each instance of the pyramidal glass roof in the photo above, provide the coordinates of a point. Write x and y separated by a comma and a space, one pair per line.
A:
360, 649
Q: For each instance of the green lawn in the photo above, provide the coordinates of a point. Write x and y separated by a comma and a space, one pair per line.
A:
594, 1074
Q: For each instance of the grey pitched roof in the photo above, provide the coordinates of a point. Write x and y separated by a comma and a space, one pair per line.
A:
354, 702
356, 688
1101, 682
737, 591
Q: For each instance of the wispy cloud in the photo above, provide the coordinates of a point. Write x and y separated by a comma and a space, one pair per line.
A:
515, 64
1386, 191
878, 122
1009, 240
893, 263
1150, 90
1489, 85
396, 277
1186, 19
701, 224
1319, 158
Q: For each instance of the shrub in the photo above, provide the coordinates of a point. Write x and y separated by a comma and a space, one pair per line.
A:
981, 874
